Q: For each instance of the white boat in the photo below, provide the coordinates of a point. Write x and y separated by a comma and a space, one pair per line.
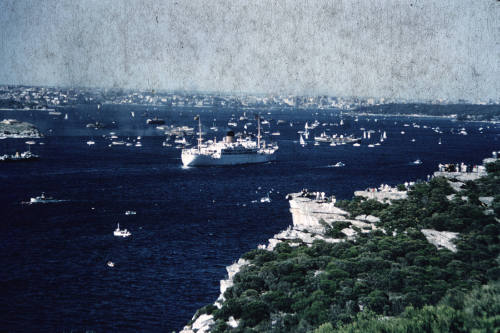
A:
402, 132
439, 142
66, 116
181, 141
338, 165
110, 264
316, 143
412, 140
322, 138
118, 143
42, 199
229, 151
417, 162
371, 146
384, 136
275, 133
91, 142
302, 141
266, 198
130, 212
356, 145
121, 233
138, 144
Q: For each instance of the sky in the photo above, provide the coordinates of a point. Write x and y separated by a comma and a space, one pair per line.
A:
408, 49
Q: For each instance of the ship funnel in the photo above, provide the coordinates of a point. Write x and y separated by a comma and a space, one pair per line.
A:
230, 137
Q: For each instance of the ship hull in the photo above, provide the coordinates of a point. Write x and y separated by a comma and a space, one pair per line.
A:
233, 159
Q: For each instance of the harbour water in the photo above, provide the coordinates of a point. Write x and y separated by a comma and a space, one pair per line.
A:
190, 223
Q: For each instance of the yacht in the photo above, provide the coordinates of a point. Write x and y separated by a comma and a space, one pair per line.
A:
121, 233
339, 165
302, 141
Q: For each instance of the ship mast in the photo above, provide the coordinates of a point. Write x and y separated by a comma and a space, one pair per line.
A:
199, 129
258, 131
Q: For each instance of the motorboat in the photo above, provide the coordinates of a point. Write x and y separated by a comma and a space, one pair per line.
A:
42, 199
110, 264
121, 233
130, 212
91, 142
417, 162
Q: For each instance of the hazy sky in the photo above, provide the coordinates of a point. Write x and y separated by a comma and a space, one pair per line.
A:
410, 49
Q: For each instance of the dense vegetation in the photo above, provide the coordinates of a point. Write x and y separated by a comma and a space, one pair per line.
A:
388, 280
462, 111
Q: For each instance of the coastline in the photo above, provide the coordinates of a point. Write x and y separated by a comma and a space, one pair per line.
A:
313, 214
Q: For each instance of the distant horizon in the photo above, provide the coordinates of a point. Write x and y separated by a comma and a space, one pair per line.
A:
241, 94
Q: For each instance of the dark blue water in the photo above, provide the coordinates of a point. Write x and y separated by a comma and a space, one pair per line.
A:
190, 223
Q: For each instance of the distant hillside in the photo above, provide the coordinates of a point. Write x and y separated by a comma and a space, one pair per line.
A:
461, 111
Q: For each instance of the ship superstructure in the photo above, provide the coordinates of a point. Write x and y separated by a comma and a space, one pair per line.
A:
229, 151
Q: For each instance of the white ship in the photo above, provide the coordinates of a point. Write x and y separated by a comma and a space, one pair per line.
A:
229, 151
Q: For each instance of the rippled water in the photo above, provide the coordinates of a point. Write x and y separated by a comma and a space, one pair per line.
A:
190, 223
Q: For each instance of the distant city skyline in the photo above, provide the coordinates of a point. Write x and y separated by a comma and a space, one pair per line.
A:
414, 50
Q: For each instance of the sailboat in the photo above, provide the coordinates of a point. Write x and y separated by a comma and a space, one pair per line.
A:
302, 141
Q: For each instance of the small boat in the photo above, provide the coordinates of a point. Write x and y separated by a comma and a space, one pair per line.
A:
371, 145
138, 144
338, 165
356, 145
66, 116
316, 143
118, 143
402, 132
275, 133
121, 233
302, 141
155, 121
265, 199
439, 142
91, 142
412, 140
130, 212
110, 264
42, 199
417, 162
181, 141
